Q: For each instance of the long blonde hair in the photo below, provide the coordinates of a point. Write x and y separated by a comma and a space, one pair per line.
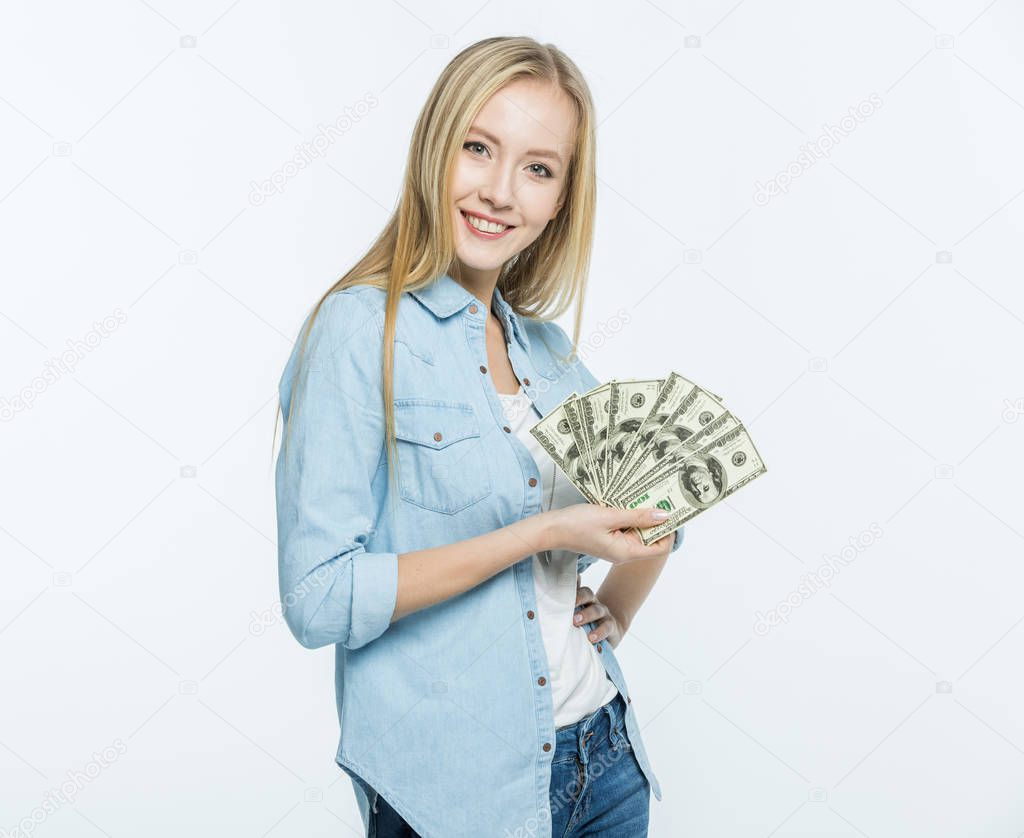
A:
418, 243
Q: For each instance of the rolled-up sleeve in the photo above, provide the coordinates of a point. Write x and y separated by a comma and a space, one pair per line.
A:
332, 590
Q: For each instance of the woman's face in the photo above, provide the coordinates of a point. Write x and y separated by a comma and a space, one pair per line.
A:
511, 170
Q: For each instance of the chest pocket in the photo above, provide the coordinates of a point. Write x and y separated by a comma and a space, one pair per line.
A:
442, 465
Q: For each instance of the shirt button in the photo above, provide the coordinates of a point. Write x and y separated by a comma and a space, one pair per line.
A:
529, 614
437, 436
532, 481
507, 429
472, 309
547, 746
483, 368
629, 700
542, 680
526, 381
599, 647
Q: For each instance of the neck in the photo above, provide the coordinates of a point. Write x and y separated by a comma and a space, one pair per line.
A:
479, 283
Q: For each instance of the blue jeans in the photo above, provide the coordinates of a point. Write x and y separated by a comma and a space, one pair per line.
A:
597, 788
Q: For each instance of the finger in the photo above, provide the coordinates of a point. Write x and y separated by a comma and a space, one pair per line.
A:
600, 631
597, 610
648, 551
584, 595
581, 618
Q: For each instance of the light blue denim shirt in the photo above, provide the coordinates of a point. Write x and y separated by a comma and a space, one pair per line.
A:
447, 713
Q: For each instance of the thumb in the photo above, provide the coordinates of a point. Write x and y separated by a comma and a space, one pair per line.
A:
650, 515
642, 516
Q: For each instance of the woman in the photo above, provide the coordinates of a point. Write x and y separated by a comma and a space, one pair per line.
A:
421, 530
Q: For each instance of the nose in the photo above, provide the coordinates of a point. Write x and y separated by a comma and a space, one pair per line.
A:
498, 188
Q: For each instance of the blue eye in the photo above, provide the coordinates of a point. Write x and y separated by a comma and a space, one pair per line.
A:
544, 175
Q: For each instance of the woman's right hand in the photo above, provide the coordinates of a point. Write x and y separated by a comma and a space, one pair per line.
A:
607, 532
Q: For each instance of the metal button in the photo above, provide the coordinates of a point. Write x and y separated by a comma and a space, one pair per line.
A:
599, 647
507, 429
532, 481
629, 700
547, 746
483, 368
529, 614
437, 436
473, 309
526, 381
542, 680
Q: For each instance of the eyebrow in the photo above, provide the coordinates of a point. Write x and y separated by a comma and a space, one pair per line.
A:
533, 152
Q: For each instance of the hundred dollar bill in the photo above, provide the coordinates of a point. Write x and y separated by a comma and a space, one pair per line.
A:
556, 437
629, 402
593, 414
703, 478
693, 413
576, 412
673, 391
664, 457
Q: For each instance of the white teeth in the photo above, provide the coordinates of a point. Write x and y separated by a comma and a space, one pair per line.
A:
485, 226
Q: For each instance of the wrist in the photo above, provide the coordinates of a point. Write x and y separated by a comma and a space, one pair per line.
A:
549, 529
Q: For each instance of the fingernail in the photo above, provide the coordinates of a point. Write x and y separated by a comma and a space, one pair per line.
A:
578, 618
593, 637
659, 515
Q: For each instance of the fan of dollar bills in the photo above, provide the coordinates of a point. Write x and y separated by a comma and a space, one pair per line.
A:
663, 442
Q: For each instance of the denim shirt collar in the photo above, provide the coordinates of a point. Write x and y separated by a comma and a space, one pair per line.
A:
445, 296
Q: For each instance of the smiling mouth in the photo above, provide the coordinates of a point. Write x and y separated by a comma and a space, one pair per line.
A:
484, 228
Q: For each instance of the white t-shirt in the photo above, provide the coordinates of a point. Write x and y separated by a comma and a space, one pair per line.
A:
578, 680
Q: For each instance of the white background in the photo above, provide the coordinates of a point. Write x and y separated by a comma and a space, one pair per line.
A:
866, 324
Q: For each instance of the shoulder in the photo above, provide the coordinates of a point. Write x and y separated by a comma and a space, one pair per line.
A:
344, 333
364, 298
343, 315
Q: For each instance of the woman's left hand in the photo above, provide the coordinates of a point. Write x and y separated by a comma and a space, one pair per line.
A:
606, 625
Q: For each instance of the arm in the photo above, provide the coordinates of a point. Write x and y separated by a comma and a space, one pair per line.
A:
627, 586
426, 577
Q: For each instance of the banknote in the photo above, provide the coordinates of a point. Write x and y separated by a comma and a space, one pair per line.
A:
664, 442
690, 416
555, 435
698, 481
629, 403
665, 455
671, 392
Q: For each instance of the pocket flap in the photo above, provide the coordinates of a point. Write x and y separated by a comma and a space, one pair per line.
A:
433, 423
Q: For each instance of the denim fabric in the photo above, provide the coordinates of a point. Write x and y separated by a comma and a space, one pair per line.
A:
597, 786
447, 713
598, 789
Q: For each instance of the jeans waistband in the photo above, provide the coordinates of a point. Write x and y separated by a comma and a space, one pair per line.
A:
603, 726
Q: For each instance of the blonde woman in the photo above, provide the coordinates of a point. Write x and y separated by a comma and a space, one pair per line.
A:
421, 530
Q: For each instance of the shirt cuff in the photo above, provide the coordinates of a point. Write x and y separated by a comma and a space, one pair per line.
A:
374, 594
